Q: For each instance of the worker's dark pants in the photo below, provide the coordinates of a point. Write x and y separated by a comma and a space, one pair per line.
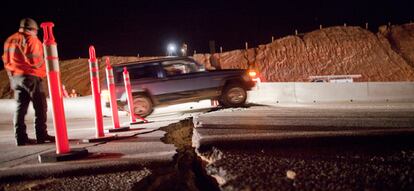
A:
29, 88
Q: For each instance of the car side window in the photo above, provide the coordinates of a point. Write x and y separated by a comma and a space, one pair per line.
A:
118, 76
179, 67
143, 72
150, 71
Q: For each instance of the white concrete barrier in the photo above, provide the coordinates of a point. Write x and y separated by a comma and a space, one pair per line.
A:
303, 92
83, 107
80, 107
330, 92
273, 92
391, 91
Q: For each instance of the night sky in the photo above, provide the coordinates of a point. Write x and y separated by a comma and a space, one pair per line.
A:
128, 28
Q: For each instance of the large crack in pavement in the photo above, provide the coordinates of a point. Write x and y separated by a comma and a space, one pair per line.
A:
187, 171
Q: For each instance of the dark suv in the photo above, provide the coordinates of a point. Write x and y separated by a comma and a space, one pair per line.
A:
175, 80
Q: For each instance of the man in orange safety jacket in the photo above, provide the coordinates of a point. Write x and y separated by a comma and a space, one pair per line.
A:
23, 60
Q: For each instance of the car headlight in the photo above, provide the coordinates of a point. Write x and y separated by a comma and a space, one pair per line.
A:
105, 95
252, 74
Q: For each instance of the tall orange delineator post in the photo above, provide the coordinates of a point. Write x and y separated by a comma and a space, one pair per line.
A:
127, 84
96, 95
114, 106
130, 99
63, 152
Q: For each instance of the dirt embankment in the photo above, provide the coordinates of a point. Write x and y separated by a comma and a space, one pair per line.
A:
387, 55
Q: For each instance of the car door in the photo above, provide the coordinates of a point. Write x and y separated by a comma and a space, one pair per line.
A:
143, 77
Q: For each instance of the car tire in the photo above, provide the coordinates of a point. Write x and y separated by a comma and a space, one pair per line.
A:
233, 95
142, 105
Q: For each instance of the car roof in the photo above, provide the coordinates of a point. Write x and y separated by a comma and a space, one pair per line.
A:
169, 58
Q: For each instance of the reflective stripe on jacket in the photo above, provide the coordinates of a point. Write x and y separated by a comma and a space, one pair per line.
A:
23, 54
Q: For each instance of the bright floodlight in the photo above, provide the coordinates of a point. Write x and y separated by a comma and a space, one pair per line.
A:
171, 49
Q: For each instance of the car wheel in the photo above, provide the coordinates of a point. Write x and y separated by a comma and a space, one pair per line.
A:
234, 95
142, 105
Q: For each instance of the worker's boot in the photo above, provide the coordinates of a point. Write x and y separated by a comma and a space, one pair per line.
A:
45, 138
20, 141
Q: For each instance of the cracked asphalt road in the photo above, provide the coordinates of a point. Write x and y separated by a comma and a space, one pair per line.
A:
348, 164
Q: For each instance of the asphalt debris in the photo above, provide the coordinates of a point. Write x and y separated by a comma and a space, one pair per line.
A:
108, 181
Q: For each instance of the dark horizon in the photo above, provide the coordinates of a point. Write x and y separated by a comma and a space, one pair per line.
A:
128, 28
